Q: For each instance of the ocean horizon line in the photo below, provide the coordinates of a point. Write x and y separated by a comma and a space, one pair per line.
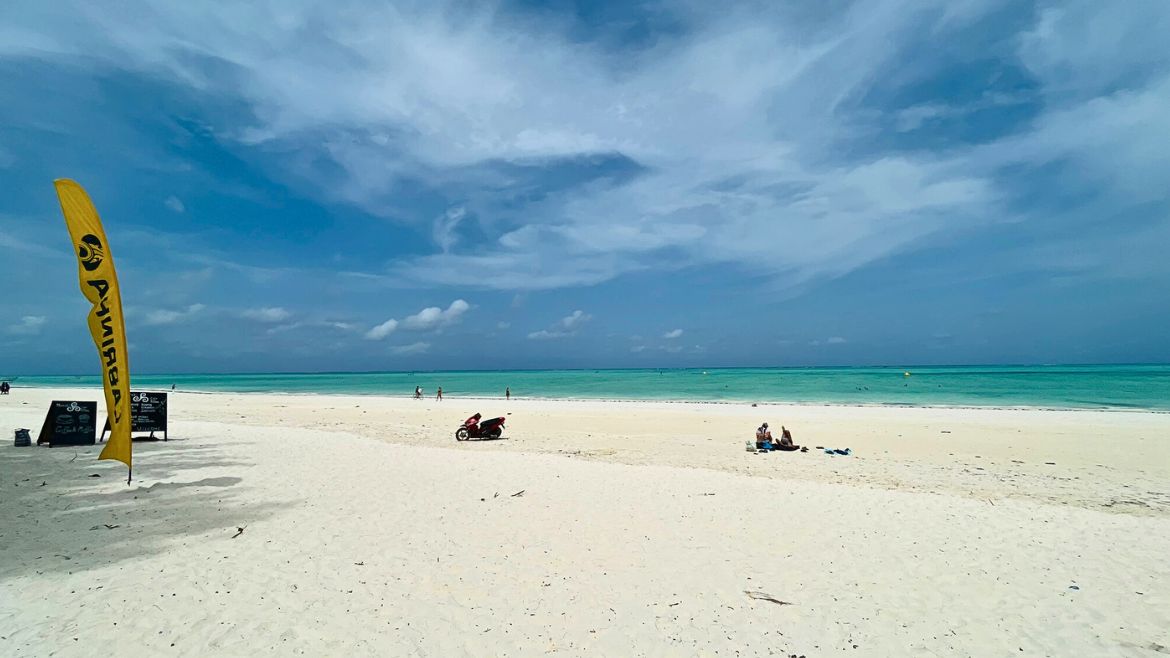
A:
906, 366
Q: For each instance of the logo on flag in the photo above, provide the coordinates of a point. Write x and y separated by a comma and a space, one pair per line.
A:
90, 252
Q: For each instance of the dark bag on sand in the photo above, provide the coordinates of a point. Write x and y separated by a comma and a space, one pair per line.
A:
23, 440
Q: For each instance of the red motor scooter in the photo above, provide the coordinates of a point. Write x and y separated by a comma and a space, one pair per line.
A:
474, 428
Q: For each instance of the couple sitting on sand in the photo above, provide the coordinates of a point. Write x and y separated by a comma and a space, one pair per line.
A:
764, 439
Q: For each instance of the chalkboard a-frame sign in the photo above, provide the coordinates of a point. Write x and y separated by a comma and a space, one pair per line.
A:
69, 423
148, 413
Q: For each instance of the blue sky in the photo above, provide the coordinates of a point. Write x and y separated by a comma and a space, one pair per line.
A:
379, 186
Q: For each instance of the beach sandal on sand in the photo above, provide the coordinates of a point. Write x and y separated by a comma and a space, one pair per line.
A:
845, 452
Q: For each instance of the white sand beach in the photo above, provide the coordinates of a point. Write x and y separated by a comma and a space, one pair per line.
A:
592, 528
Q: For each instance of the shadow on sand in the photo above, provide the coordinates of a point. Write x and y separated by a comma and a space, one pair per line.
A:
58, 517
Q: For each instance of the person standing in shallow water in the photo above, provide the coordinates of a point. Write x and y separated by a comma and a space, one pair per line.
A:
439, 394
508, 392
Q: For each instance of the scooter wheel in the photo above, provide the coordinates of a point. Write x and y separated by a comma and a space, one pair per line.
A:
461, 434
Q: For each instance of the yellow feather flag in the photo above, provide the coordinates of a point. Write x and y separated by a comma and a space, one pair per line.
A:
99, 284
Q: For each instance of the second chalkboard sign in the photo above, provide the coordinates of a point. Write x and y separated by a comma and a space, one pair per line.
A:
148, 413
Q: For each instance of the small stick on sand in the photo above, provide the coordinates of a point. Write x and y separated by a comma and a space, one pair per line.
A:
764, 596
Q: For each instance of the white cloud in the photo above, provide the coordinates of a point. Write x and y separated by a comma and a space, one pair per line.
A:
732, 118
413, 348
835, 340
503, 325
164, 316
29, 325
383, 330
567, 326
574, 320
267, 314
429, 319
673, 333
755, 128
174, 203
638, 349
434, 317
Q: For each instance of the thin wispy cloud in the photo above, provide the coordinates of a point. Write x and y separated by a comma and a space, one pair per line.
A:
29, 325
267, 314
312, 324
13, 243
446, 227
170, 316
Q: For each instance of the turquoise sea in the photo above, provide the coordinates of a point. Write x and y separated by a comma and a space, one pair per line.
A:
1092, 387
